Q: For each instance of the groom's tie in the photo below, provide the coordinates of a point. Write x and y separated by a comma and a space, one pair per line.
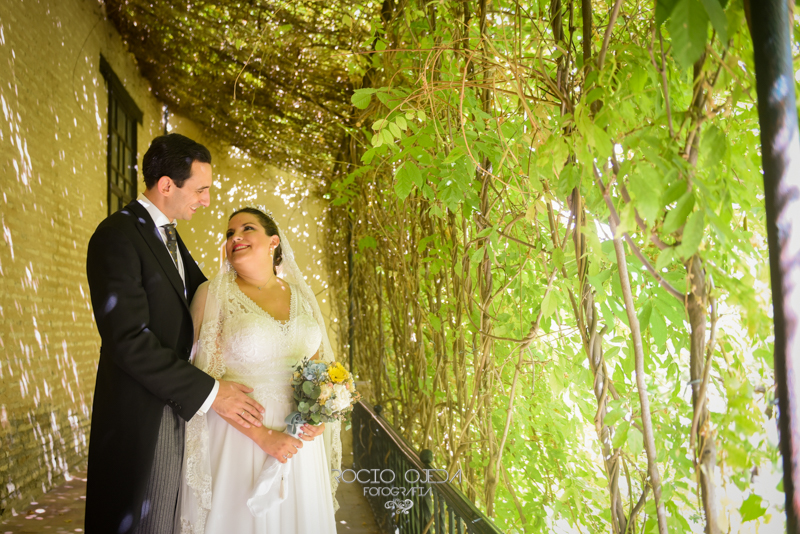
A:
172, 241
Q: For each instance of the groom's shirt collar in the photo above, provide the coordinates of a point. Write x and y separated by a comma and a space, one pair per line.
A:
158, 217
160, 220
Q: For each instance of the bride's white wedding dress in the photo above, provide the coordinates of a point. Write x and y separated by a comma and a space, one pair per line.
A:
241, 342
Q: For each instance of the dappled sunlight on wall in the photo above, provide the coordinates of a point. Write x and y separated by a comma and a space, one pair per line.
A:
53, 164
241, 180
53, 102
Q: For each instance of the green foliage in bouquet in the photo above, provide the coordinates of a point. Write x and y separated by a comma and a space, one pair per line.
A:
324, 391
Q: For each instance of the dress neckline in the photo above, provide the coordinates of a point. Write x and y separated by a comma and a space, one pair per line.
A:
255, 305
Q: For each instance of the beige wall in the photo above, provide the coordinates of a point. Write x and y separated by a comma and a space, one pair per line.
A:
53, 107
241, 180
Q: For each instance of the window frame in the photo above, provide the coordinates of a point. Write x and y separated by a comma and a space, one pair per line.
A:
119, 100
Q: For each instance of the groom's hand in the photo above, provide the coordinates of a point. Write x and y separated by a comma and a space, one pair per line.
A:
232, 403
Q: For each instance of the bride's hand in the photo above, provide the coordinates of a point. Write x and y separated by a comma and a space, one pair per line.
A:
311, 431
279, 445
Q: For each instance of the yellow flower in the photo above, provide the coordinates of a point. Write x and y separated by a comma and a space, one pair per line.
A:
338, 373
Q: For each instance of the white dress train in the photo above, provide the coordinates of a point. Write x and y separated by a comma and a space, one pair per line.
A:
260, 352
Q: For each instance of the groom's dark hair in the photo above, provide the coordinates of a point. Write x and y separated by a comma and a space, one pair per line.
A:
172, 155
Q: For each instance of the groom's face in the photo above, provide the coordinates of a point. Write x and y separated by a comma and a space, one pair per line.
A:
184, 201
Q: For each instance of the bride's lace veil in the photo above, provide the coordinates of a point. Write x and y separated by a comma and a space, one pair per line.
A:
196, 502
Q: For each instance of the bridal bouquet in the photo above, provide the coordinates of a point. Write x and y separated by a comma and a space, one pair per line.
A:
324, 392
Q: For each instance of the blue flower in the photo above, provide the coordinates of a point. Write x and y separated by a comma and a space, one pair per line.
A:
315, 371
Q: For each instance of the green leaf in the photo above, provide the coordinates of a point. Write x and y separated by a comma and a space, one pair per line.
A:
403, 183
658, 328
454, 155
688, 27
713, 146
401, 122
367, 242
362, 97
556, 385
673, 193
677, 216
646, 187
635, 442
436, 323
593, 95
395, 130
717, 17
665, 258
598, 279
477, 255
549, 304
378, 124
644, 315
627, 221
366, 158
620, 435
664, 9
752, 508
692, 234
613, 416
414, 173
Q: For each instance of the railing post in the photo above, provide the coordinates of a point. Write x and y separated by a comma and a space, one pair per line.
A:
427, 503
771, 27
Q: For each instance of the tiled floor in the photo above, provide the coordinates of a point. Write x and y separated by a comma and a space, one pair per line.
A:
354, 515
60, 510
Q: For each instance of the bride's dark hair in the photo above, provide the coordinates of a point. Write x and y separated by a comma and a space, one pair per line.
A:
269, 226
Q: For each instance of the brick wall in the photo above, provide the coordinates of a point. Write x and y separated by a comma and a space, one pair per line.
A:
53, 107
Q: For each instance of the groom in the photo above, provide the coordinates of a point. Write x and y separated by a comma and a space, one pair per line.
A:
142, 279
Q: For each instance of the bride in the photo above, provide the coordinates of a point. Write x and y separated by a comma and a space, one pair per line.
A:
253, 322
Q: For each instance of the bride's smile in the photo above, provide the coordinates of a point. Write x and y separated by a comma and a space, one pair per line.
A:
248, 243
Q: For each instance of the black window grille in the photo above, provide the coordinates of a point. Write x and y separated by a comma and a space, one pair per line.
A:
123, 116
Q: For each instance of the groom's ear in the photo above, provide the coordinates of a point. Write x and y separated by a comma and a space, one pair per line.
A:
165, 185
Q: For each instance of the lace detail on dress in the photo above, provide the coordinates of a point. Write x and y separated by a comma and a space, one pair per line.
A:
241, 342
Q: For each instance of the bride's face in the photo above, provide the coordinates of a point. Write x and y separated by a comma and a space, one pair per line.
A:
248, 243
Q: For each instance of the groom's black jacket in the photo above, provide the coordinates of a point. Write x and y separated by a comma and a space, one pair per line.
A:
146, 331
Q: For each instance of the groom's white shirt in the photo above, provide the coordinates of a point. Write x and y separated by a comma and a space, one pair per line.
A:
160, 220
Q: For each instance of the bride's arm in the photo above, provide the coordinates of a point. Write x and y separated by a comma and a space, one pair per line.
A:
279, 445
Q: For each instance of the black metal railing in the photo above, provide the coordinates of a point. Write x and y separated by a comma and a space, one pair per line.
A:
405, 492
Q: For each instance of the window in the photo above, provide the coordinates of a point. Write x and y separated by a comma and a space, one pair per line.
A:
123, 115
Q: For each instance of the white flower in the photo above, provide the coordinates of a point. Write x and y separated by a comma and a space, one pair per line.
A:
342, 400
325, 393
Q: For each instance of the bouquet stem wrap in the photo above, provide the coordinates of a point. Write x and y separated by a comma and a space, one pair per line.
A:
271, 487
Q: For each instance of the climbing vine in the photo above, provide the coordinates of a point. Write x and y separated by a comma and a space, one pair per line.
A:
547, 230
545, 233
